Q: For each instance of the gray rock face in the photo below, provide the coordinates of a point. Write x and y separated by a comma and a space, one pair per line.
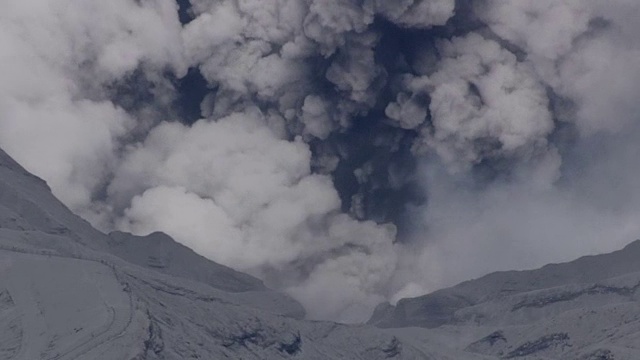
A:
584, 309
439, 308
68, 291
160, 252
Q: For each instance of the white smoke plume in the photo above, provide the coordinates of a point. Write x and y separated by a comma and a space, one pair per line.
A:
484, 104
516, 120
58, 58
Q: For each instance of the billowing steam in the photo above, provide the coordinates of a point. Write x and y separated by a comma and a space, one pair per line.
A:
347, 152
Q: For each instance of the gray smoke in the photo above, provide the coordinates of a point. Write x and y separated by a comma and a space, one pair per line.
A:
347, 152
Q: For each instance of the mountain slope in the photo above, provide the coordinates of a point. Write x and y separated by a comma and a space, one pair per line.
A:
26, 203
584, 309
439, 308
68, 291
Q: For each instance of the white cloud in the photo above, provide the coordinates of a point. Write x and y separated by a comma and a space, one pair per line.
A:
416, 13
485, 104
54, 117
237, 186
234, 192
584, 50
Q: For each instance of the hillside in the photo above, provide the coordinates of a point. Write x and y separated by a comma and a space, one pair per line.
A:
67, 291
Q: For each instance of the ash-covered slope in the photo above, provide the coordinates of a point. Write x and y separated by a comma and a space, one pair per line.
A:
160, 252
440, 307
584, 309
27, 204
68, 291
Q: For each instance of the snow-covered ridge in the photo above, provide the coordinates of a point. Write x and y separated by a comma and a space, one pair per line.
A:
67, 291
